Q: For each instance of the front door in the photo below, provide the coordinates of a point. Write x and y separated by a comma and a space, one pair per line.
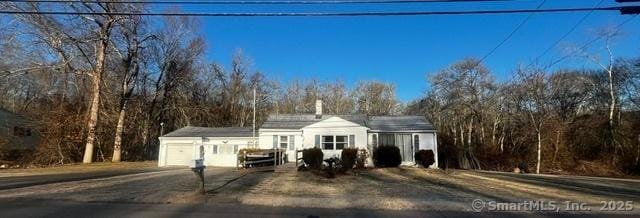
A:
403, 141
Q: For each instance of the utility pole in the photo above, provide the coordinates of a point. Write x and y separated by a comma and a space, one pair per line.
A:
254, 113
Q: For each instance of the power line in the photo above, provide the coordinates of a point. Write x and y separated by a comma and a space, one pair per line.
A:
510, 34
284, 2
583, 47
575, 26
325, 14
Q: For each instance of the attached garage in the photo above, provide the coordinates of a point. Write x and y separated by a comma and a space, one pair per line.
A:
220, 146
181, 154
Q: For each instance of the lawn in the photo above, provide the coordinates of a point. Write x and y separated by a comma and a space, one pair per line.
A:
77, 168
430, 189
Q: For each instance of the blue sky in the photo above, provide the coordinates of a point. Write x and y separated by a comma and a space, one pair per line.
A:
401, 50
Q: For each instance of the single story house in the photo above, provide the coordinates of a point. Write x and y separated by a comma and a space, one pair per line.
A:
220, 145
17, 134
332, 133
292, 132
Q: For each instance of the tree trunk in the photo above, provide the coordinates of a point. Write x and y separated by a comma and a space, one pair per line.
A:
94, 110
539, 151
557, 146
117, 143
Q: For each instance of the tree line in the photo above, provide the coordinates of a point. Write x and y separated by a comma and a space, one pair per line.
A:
565, 121
105, 87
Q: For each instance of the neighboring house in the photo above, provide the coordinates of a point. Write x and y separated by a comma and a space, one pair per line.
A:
221, 145
331, 133
17, 134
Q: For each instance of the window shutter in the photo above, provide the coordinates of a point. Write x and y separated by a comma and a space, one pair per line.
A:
291, 142
275, 141
317, 141
215, 149
352, 141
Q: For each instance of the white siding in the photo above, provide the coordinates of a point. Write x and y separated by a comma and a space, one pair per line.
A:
266, 140
334, 126
171, 157
428, 141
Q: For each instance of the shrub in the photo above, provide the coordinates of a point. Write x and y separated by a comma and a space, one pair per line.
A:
425, 157
363, 154
334, 164
313, 157
387, 156
348, 157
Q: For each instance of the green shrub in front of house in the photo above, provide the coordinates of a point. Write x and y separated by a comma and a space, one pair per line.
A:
387, 156
313, 158
348, 156
425, 158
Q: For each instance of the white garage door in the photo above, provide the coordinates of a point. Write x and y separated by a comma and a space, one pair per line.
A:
179, 154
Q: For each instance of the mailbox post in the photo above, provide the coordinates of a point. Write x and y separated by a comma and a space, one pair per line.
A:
197, 166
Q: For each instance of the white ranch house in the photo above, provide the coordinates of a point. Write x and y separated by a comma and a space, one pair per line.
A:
292, 132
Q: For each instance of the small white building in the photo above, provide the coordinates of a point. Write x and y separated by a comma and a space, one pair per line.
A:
220, 145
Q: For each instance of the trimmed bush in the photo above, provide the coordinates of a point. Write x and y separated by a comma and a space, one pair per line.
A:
348, 156
425, 158
387, 156
313, 157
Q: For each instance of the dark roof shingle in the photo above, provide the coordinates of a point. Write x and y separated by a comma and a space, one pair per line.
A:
297, 121
192, 131
399, 123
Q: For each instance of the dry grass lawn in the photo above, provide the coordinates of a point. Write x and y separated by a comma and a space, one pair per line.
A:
78, 167
429, 189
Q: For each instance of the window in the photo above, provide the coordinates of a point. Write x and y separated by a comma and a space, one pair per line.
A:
387, 140
331, 142
215, 149
284, 142
21, 131
341, 142
235, 149
292, 143
225, 149
317, 141
352, 141
416, 141
327, 142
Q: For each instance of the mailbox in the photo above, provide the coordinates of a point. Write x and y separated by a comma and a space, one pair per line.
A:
197, 163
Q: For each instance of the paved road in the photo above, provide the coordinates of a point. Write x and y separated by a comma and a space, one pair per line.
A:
48, 208
11, 182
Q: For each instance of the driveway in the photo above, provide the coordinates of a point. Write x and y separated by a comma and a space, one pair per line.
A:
173, 185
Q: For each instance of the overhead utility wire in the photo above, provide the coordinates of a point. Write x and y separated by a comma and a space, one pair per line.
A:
510, 34
566, 34
299, 2
324, 14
